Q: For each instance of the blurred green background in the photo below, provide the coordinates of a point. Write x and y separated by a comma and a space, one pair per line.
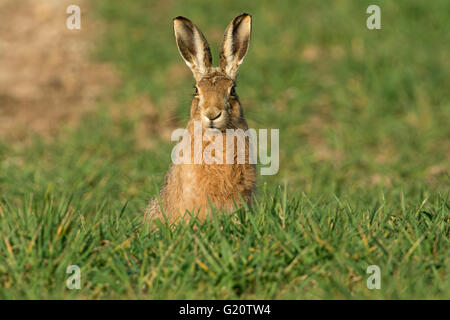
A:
356, 107
364, 124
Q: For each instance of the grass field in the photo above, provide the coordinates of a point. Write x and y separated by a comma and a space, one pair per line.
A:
364, 162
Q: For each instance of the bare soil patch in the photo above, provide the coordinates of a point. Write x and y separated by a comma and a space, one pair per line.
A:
47, 77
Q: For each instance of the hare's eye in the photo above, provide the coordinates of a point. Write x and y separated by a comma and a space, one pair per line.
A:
233, 91
196, 90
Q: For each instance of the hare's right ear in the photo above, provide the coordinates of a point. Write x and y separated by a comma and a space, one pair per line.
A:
193, 46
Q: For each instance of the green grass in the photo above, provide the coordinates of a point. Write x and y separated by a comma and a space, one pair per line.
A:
364, 146
296, 248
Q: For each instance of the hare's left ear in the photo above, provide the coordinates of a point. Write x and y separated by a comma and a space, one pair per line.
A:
235, 44
193, 47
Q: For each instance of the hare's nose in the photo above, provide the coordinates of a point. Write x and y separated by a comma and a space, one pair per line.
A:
213, 117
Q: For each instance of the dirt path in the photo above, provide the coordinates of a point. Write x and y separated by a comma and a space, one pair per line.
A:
47, 79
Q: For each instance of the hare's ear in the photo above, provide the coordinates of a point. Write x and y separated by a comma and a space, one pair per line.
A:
235, 44
193, 46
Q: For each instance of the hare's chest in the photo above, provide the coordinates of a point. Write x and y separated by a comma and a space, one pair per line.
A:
203, 183
191, 188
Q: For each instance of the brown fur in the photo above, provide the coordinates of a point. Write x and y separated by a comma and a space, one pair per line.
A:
197, 187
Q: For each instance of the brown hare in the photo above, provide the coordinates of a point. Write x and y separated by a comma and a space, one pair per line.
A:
196, 187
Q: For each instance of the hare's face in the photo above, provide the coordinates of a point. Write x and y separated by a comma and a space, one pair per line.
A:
215, 101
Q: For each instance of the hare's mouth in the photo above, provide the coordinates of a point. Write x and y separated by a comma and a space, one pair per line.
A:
219, 125
213, 126
213, 122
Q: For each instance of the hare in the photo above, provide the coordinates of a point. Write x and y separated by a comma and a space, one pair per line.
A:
196, 188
